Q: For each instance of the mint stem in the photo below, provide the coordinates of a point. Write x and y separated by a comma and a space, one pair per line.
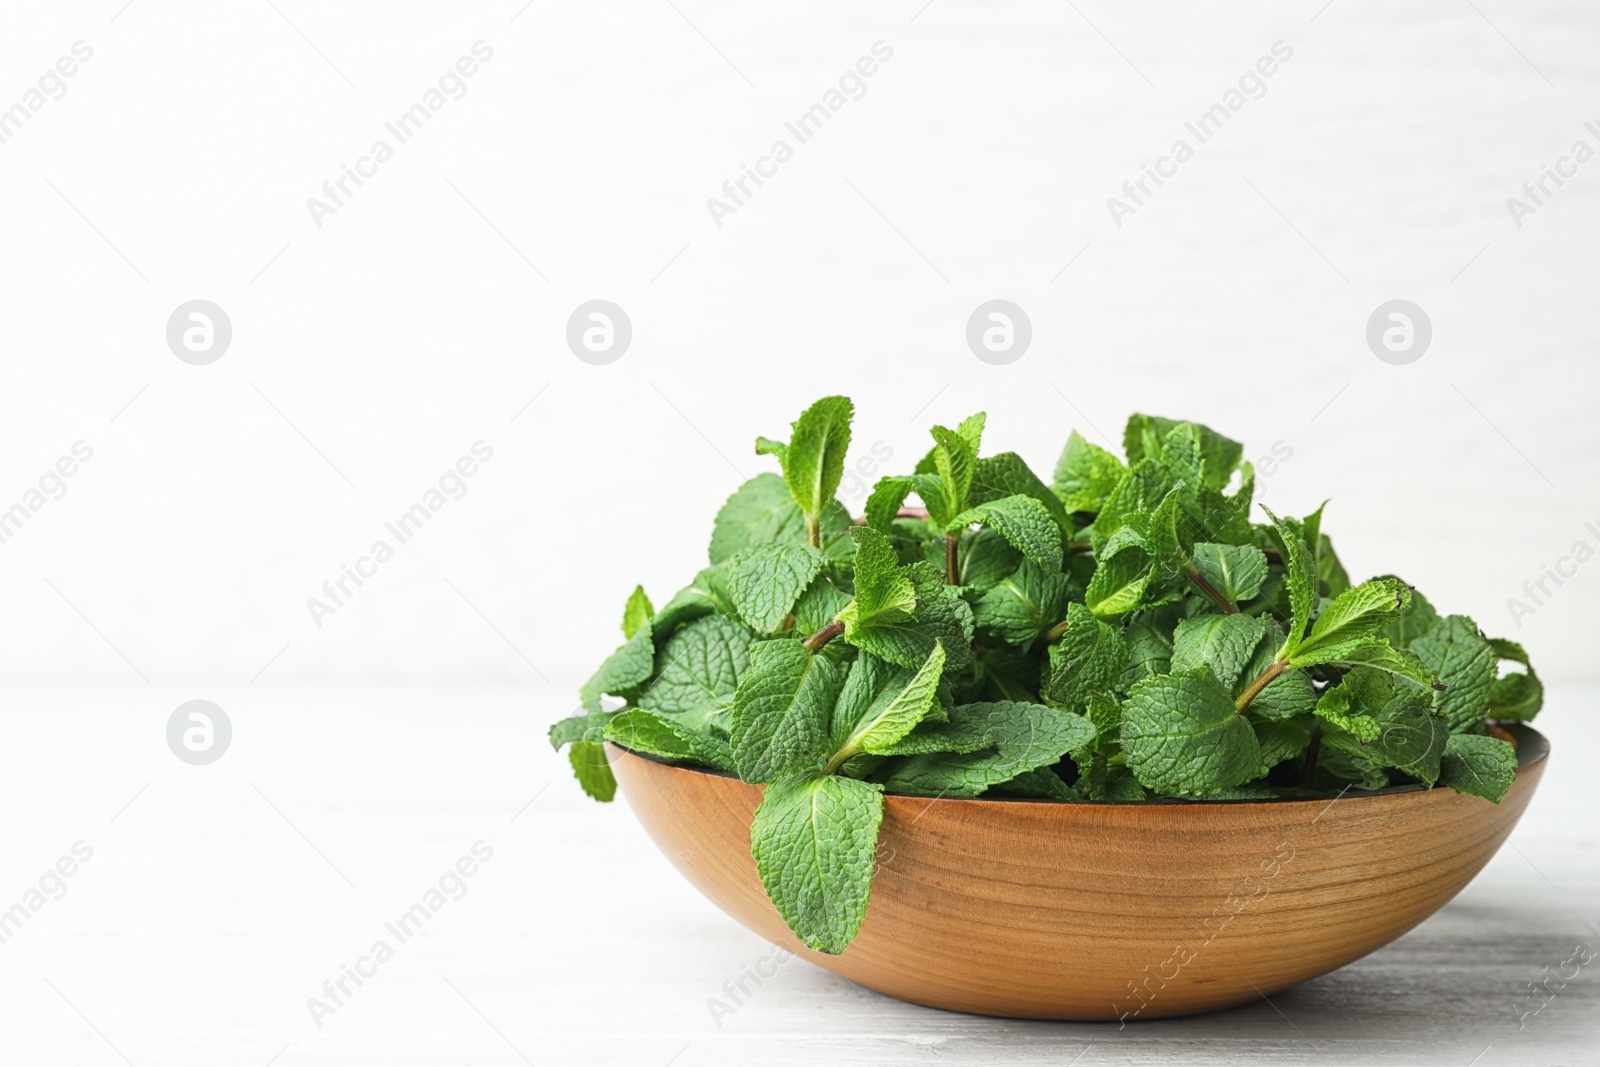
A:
1052, 635
951, 571
1308, 769
1274, 669
813, 532
815, 642
1227, 606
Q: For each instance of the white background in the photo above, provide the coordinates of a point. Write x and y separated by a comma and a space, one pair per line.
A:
429, 312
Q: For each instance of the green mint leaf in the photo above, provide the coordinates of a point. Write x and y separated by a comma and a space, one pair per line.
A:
884, 590
1370, 652
708, 594
960, 733
1235, 571
761, 510
818, 605
1024, 522
766, 580
984, 559
697, 672
1006, 474
1040, 784
1357, 613
1149, 638
1467, 666
1085, 475
1090, 657
1140, 491
1120, 583
639, 611
814, 461
1517, 696
1280, 741
941, 615
1028, 736
623, 672
1148, 436
955, 461
1182, 737
1481, 766
1224, 643
1021, 607
593, 771
1340, 706
971, 430
657, 735
1417, 619
814, 840
1302, 580
1411, 736
877, 708
781, 712
584, 726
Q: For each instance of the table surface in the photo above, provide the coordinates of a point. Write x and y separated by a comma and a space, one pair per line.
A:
219, 899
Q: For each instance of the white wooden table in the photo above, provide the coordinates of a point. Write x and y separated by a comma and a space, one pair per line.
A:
219, 899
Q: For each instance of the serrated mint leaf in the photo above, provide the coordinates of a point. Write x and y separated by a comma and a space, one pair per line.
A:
781, 712
1516, 696
593, 771
1341, 707
760, 511
585, 726
1370, 652
884, 590
623, 672
1090, 657
1149, 638
1140, 491
1149, 436
1481, 766
814, 461
814, 840
1085, 475
1302, 580
707, 594
960, 733
1224, 643
1020, 608
941, 615
1182, 736
985, 559
1040, 784
1235, 571
1357, 613
1417, 619
657, 735
1028, 736
638, 611
766, 446
1279, 740
818, 605
1024, 522
1119, 583
878, 707
955, 462
1467, 667
765, 581
1411, 735
1006, 474
1285, 697
697, 671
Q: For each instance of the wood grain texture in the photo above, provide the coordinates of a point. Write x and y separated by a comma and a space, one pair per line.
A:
1104, 911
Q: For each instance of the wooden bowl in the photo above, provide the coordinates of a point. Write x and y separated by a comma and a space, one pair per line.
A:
1050, 910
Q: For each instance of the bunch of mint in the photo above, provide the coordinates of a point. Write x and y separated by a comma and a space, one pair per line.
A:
1123, 634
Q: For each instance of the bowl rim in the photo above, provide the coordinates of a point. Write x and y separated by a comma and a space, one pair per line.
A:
1532, 747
